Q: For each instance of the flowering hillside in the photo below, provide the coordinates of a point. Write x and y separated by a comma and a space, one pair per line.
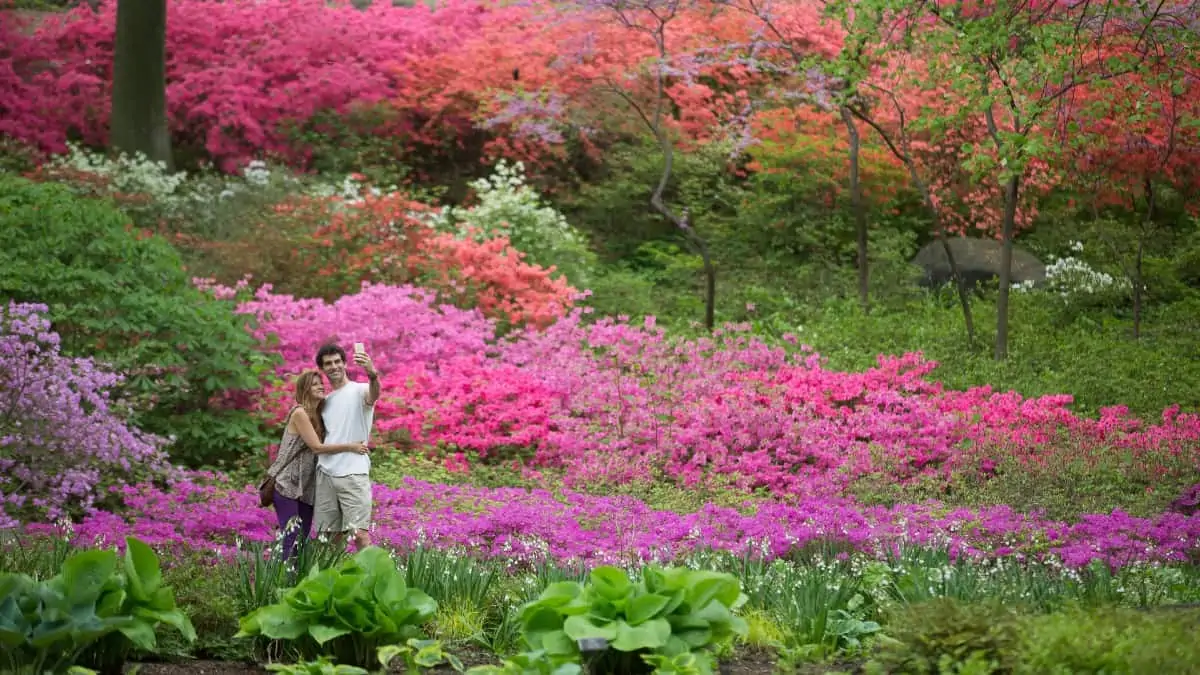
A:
611, 402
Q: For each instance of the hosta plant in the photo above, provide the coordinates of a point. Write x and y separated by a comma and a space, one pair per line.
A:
537, 662
348, 611
669, 613
48, 626
147, 601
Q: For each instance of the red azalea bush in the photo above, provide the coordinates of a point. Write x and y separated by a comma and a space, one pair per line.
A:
613, 402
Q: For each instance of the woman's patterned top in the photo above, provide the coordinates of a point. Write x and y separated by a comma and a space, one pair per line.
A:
298, 480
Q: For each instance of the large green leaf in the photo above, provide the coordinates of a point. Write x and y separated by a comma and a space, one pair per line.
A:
84, 575
645, 607
277, 622
173, 617
323, 633
582, 627
650, 635
539, 621
142, 571
611, 582
709, 586
141, 634
559, 593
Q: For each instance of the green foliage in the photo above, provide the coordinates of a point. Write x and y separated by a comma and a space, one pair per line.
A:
1110, 640
1047, 355
94, 603
941, 636
321, 666
536, 662
148, 601
418, 654
348, 142
124, 297
670, 612
347, 611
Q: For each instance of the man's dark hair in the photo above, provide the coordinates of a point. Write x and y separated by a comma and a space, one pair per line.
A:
327, 350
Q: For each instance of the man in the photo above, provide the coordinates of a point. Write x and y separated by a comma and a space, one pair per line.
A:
343, 499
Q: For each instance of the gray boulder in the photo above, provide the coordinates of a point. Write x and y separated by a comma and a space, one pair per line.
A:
978, 261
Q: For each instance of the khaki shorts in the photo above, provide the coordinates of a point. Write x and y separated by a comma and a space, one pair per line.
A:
343, 503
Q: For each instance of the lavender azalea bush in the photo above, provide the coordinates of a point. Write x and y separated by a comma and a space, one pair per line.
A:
62, 442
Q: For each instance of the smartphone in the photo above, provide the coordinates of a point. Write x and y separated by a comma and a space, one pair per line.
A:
358, 348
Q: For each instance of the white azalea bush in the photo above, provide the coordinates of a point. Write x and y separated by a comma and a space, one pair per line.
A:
507, 206
1071, 277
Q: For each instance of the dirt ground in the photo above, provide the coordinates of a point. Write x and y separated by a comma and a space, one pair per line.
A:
748, 664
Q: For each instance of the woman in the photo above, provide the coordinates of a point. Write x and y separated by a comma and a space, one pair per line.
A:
295, 466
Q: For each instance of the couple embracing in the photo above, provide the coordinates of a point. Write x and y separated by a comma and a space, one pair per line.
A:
322, 470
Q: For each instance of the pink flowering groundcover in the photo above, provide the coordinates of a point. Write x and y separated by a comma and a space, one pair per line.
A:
531, 526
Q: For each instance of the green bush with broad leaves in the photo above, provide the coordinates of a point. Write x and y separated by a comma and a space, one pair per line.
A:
347, 611
124, 297
94, 612
678, 614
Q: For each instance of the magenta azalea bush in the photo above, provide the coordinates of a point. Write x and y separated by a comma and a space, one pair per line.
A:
527, 526
62, 444
239, 73
611, 402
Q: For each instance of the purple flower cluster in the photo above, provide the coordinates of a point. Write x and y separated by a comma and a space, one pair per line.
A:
524, 525
61, 442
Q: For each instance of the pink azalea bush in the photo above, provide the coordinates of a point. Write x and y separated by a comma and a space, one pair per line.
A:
531, 526
612, 402
239, 73
62, 443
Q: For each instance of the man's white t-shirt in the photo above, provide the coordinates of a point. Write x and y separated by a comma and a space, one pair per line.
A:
347, 419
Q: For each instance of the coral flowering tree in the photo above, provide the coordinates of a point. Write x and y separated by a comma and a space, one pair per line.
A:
671, 69
1011, 62
1131, 140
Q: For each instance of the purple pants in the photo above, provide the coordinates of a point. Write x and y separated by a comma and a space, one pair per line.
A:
285, 510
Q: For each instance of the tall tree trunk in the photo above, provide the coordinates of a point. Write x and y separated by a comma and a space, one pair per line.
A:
1148, 224
139, 99
860, 211
1008, 228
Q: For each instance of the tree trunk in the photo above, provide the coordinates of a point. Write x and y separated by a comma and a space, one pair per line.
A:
1008, 228
960, 285
860, 212
1148, 224
139, 99
710, 286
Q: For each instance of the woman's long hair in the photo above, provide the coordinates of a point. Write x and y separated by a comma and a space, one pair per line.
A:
311, 404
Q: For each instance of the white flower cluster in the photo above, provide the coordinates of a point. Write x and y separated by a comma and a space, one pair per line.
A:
507, 206
127, 174
1071, 276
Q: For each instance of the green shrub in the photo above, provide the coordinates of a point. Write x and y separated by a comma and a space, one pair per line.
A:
677, 614
1110, 640
347, 611
936, 637
124, 297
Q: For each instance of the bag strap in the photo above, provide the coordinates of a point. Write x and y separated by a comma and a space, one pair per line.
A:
294, 454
